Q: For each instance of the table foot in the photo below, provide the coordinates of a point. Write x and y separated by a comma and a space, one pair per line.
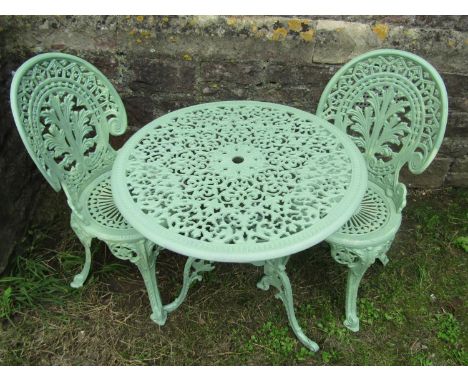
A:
190, 276
275, 275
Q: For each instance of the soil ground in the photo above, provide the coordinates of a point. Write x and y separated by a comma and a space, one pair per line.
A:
413, 311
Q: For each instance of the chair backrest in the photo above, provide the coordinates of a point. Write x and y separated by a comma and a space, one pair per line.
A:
65, 109
394, 106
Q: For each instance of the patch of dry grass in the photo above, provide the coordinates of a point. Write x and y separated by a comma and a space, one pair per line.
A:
412, 312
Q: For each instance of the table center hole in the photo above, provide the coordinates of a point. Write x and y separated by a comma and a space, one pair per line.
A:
237, 160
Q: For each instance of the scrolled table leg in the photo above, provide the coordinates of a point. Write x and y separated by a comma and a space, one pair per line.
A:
275, 275
192, 272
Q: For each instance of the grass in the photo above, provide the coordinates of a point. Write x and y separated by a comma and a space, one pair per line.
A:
413, 311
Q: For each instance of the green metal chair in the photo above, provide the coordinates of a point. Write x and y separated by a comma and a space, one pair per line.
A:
65, 109
394, 106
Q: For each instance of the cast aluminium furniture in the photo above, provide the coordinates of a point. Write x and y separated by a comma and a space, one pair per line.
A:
241, 182
393, 105
284, 182
65, 109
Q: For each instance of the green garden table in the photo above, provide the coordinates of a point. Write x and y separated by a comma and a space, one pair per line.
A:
240, 182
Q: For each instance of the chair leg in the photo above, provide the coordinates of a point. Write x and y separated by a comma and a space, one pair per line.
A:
275, 274
143, 254
383, 259
358, 261
86, 240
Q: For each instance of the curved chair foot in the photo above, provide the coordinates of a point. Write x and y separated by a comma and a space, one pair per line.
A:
78, 280
86, 240
383, 259
275, 274
143, 254
352, 323
358, 261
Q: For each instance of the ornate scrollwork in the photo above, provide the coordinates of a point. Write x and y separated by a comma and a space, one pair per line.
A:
276, 276
124, 251
393, 108
192, 272
65, 111
134, 250
248, 173
353, 257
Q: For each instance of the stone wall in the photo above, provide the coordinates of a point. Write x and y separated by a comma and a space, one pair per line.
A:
163, 63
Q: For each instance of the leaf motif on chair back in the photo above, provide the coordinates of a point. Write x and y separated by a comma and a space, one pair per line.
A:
65, 109
393, 104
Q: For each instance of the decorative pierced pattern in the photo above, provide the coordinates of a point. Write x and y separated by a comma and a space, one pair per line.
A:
372, 214
124, 251
239, 172
353, 257
102, 208
392, 105
65, 110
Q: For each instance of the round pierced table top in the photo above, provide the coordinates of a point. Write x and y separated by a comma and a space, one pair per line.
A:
238, 181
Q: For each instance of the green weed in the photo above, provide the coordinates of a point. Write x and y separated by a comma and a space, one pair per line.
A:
396, 316
449, 331
6, 306
394, 304
32, 282
462, 242
278, 342
422, 359
448, 328
368, 312
329, 357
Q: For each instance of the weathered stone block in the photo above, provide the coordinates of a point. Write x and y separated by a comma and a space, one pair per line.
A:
445, 22
21, 183
156, 75
460, 165
457, 124
457, 90
106, 63
139, 110
457, 179
165, 103
433, 177
243, 73
458, 175
444, 48
225, 91
19, 177
453, 147
294, 75
338, 41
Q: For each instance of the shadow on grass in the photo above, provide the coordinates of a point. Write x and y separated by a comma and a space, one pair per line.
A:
413, 311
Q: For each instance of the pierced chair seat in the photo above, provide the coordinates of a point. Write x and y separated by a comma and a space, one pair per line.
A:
376, 221
100, 212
